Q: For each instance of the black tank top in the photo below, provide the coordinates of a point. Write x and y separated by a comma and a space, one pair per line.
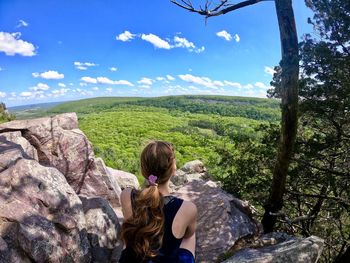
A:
169, 250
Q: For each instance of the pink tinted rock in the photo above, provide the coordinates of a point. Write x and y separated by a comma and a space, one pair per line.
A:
14, 146
59, 143
41, 215
220, 221
103, 229
124, 179
298, 250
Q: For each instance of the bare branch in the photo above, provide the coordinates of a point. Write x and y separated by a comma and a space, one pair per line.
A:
294, 220
220, 9
339, 199
333, 172
223, 3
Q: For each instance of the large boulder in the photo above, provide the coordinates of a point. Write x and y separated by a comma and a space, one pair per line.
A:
124, 179
59, 143
222, 219
14, 146
103, 230
291, 250
41, 217
194, 170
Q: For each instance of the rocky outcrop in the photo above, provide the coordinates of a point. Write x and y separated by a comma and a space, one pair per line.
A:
194, 170
44, 164
103, 230
225, 222
124, 179
12, 147
222, 219
298, 250
60, 144
41, 217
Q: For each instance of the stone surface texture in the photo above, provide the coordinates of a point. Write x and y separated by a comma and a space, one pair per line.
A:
298, 250
124, 179
59, 143
103, 229
221, 222
41, 217
191, 171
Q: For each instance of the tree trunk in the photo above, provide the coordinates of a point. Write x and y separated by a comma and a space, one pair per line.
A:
289, 105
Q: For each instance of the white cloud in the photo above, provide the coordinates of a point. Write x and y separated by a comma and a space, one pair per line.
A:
169, 77
113, 69
94, 88
13, 94
1, 69
2, 94
269, 70
160, 78
59, 92
83, 65
145, 81
51, 74
62, 85
261, 85
156, 41
123, 82
40, 86
126, 36
225, 35
203, 81
22, 23
218, 83
184, 43
233, 84
248, 86
83, 84
89, 80
109, 89
145, 86
105, 80
26, 94
11, 45
237, 38
199, 50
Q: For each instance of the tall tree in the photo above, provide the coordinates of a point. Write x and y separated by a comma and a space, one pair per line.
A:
289, 92
319, 185
4, 114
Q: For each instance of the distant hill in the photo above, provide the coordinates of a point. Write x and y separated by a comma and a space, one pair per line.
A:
32, 110
252, 108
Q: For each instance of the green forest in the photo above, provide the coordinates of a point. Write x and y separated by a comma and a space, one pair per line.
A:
120, 127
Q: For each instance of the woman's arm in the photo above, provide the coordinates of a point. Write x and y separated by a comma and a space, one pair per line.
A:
191, 215
125, 202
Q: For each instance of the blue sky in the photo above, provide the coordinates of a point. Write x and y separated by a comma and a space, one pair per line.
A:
57, 50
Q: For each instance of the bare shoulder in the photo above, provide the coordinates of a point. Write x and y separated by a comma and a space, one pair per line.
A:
190, 209
125, 202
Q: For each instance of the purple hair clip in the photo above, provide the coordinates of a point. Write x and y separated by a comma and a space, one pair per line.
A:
152, 179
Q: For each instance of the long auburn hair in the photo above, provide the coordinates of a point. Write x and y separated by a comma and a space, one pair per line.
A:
144, 231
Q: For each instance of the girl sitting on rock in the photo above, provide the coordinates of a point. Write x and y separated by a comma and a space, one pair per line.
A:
158, 227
